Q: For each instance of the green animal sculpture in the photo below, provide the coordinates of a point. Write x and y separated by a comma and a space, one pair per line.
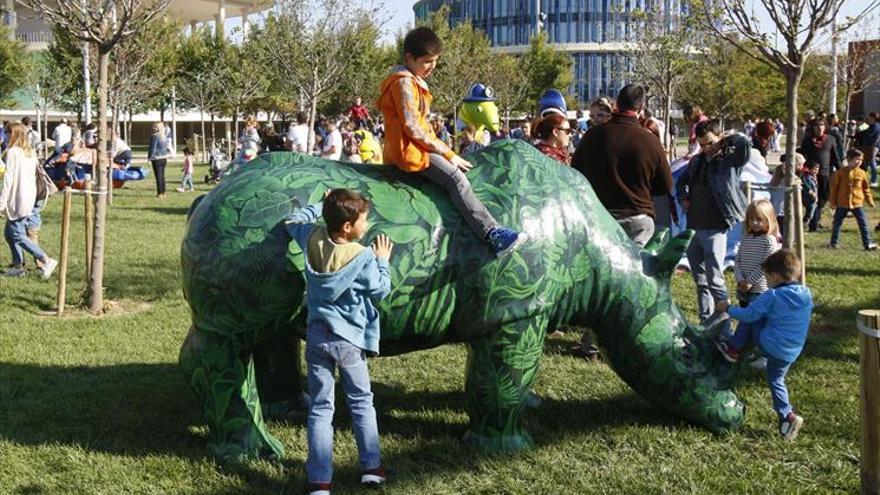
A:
242, 277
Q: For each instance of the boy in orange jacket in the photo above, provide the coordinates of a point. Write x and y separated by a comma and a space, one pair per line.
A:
412, 146
849, 189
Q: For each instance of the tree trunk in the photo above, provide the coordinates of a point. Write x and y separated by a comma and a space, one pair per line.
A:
213, 132
313, 110
162, 113
667, 121
202, 122
793, 225
96, 279
846, 116
114, 130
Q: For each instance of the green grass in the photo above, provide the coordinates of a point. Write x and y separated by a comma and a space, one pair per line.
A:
98, 405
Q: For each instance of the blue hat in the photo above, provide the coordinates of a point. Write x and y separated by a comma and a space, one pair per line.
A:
552, 102
480, 92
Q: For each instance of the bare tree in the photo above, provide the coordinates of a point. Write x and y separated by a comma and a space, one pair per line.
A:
310, 41
510, 80
665, 53
104, 23
798, 23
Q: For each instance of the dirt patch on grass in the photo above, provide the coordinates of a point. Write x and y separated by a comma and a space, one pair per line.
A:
112, 309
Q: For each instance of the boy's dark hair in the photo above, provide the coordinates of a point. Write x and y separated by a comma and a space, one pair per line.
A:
187, 151
854, 153
707, 126
343, 205
302, 118
631, 97
422, 41
783, 263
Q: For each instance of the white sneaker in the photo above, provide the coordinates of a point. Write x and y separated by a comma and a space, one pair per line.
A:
790, 426
759, 363
49, 267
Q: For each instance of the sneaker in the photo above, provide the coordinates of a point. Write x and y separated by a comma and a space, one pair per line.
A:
833, 246
318, 489
759, 363
730, 354
373, 477
872, 246
790, 426
48, 268
504, 240
180, 189
14, 272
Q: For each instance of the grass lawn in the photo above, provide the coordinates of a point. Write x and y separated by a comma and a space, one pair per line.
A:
98, 405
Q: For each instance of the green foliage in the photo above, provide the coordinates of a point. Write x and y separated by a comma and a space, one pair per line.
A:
14, 67
547, 68
63, 75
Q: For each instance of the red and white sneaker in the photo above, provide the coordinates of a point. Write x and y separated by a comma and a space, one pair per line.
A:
373, 477
318, 489
731, 355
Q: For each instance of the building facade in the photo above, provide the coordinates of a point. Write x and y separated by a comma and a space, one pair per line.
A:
598, 34
867, 100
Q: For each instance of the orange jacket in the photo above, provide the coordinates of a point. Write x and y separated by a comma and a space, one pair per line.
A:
850, 188
405, 103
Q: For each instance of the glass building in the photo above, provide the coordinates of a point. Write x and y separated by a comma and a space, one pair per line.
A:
596, 33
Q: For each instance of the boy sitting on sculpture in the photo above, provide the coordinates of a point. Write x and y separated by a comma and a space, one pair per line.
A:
345, 280
410, 143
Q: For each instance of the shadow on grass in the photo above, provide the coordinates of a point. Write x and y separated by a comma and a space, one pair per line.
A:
179, 211
143, 280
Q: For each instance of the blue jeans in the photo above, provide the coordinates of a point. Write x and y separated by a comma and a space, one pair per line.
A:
187, 181
35, 219
706, 257
17, 239
776, 368
325, 351
861, 219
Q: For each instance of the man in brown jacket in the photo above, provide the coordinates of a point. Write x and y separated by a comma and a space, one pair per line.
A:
626, 166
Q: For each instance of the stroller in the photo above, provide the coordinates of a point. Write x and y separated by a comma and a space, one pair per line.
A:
217, 164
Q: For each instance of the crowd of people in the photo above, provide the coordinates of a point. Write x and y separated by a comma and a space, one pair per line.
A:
620, 148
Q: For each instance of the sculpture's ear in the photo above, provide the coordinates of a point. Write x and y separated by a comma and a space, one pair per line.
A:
662, 253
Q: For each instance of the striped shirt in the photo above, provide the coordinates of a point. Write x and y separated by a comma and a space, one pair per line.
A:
753, 250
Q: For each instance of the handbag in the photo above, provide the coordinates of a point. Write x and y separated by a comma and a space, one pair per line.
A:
45, 186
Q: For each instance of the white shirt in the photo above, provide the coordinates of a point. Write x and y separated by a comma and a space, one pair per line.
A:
119, 146
298, 137
334, 142
62, 135
19, 191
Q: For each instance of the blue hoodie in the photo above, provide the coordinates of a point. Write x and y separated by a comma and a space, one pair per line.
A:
343, 299
786, 311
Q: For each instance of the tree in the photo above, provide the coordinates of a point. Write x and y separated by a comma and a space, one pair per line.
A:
664, 54
105, 24
510, 80
798, 23
309, 44
198, 83
547, 68
14, 65
243, 79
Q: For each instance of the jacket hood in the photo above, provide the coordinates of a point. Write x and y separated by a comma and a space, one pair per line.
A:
327, 287
796, 295
397, 72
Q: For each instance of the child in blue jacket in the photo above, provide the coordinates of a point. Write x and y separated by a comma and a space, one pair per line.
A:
780, 318
344, 281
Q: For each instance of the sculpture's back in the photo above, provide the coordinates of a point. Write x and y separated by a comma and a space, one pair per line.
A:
243, 280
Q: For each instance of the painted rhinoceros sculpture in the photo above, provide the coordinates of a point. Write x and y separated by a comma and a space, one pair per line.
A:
242, 277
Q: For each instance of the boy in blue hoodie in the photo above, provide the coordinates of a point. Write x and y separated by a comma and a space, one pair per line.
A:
344, 280
780, 319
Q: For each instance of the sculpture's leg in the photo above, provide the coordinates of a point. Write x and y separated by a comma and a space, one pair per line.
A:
277, 363
501, 370
224, 383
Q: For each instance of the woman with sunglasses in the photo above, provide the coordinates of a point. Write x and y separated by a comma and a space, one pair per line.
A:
553, 134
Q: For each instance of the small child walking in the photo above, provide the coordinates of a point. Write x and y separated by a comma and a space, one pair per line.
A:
849, 190
810, 189
187, 171
344, 281
412, 146
780, 318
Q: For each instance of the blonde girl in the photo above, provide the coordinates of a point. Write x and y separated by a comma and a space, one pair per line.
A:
17, 201
758, 242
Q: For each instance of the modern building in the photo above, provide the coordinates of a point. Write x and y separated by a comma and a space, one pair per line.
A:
867, 100
597, 33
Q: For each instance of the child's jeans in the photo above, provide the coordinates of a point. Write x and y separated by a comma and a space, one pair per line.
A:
18, 241
325, 351
443, 173
776, 368
840, 214
187, 182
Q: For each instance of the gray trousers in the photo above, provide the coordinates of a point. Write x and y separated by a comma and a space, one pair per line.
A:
443, 173
639, 228
706, 256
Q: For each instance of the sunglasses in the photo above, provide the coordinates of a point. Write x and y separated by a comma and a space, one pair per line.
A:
566, 130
